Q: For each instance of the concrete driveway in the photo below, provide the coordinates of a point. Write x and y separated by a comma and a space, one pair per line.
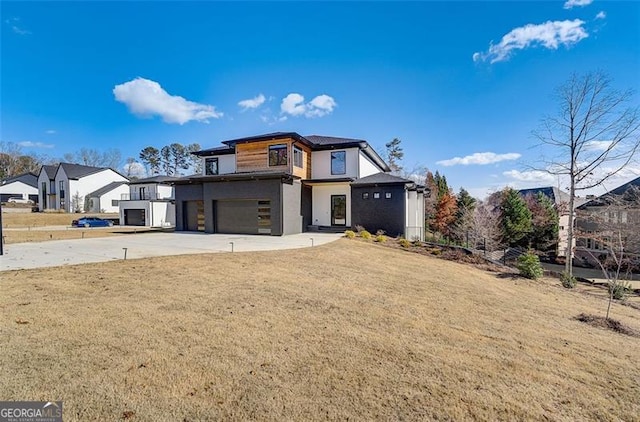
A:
81, 251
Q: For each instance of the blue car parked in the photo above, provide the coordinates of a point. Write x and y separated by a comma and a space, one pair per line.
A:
91, 222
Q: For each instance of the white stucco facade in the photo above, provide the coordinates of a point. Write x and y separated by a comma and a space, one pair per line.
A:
152, 191
226, 163
107, 202
156, 213
321, 164
321, 202
366, 166
71, 193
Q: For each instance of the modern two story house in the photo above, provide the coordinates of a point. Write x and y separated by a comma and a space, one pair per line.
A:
66, 187
284, 183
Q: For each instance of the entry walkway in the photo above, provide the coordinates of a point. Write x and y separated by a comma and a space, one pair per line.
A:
80, 251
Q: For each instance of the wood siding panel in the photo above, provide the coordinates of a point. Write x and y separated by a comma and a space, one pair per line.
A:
254, 156
305, 171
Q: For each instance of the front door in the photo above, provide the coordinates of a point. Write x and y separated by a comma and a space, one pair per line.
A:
338, 210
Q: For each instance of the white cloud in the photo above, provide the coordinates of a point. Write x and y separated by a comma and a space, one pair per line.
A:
30, 144
550, 34
601, 15
481, 158
50, 132
597, 145
13, 23
294, 105
252, 102
576, 3
537, 176
144, 97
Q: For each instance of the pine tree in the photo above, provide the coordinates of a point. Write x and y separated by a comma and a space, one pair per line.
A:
516, 219
394, 155
544, 231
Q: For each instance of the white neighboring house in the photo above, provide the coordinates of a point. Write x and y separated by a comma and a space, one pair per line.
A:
107, 198
24, 186
149, 202
69, 185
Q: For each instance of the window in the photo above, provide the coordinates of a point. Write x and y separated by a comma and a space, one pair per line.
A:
53, 186
365, 195
338, 162
211, 166
114, 202
142, 193
387, 195
278, 155
61, 189
376, 195
297, 157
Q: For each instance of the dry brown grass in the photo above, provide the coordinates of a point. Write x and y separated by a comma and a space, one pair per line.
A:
343, 331
33, 227
39, 219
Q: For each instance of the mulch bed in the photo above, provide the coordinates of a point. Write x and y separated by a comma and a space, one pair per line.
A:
608, 324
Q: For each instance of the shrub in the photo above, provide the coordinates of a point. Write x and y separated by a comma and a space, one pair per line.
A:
365, 234
620, 289
380, 232
568, 281
350, 234
404, 243
381, 238
529, 266
359, 228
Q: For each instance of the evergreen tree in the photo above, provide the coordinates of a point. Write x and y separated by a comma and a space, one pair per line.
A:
464, 218
516, 219
544, 221
150, 157
394, 155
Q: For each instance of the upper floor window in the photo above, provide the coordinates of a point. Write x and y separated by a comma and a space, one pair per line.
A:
211, 166
297, 157
338, 162
278, 155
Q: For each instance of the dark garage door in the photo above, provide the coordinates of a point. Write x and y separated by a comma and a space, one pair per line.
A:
243, 216
134, 217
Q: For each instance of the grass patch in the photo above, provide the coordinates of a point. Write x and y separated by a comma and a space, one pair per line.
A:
300, 335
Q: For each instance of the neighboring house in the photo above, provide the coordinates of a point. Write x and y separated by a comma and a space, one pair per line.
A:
107, 198
598, 222
47, 188
149, 202
24, 186
66, 187
284, 183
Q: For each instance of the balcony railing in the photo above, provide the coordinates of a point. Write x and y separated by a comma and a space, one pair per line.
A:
146, 196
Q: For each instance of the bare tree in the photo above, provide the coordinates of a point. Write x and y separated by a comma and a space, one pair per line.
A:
593, 129
609, 231
13, 161
486, 226
91, 157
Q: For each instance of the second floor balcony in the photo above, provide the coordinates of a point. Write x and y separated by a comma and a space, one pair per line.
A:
144, 196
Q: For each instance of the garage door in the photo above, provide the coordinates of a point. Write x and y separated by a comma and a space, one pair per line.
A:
243, 216
193, 215
134, 217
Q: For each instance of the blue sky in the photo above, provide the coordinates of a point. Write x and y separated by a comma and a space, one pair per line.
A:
450, 79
